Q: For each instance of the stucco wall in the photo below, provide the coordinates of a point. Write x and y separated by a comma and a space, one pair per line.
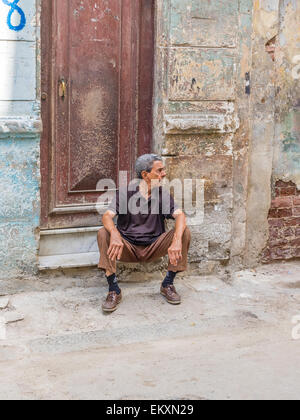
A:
265, 27
210, 121
275, 124
202, 116
287, 130
19, 138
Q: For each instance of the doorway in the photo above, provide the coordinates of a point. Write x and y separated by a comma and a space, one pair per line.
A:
97, 91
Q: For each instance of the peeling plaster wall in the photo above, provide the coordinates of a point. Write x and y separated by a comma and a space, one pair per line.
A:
202, 115
275, 115
206, 125
287, 133
20, 129
265, 27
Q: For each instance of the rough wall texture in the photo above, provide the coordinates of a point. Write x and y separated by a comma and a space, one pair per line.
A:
287, 129
274, 153
265, 27
284, 222
19, 140
226, 110
202, 115
19, 205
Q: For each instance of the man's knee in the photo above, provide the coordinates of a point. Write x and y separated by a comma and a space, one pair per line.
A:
187, 234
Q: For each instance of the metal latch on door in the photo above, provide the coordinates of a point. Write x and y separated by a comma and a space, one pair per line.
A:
62, 88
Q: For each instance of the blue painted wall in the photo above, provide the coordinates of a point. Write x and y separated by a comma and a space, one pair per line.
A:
19, 137
19, 205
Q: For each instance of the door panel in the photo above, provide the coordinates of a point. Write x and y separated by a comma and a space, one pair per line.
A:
94, 68
94, 97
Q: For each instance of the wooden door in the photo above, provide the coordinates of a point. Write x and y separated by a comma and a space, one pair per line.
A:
97, 82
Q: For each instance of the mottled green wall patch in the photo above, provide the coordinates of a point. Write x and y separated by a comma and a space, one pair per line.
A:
204, 23
202, 74
246, 6
287, 163
19, 204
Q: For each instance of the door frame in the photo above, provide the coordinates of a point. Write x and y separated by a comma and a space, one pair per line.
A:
137, 116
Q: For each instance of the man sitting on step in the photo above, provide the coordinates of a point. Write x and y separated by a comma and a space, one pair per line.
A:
140, 235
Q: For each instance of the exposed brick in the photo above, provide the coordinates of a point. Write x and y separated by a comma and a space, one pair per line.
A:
275, 233
287, 232
292, 221
279, 253
285, 184
273, 214
296, 201
285, 213
277, 223
284, 223
282, 202
266, 255
295, 242
296, 211
288, 191
279, 242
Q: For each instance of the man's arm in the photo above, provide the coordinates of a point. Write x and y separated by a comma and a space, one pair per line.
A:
175, 250
116, 244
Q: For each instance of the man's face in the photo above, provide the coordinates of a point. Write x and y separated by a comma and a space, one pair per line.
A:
155, 177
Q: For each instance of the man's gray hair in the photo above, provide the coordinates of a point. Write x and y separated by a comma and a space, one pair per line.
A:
145, 163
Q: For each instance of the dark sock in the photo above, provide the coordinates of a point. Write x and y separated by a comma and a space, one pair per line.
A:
113, 284
169, 280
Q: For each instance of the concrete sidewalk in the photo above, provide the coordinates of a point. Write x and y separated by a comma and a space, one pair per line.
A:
226, 341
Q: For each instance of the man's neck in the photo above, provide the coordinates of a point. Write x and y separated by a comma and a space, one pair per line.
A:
145, 189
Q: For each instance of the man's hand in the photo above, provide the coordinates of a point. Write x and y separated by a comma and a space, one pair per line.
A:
116, 246
175, 251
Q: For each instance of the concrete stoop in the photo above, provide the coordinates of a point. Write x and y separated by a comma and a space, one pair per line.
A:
68, 248
77, 248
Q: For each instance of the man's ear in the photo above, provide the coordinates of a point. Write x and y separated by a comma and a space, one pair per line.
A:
144, 174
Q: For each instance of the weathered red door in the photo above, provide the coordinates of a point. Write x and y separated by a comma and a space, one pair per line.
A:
97, 79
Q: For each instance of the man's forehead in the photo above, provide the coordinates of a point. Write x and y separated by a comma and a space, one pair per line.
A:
158, 164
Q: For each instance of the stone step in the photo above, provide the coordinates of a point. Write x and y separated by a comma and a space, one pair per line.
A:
68, 248
55, 262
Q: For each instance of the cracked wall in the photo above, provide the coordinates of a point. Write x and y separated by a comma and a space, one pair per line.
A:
202, 116
226, 110
274, 154
287, 129
20, 128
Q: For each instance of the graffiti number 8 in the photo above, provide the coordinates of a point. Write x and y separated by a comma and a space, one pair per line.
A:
15, 8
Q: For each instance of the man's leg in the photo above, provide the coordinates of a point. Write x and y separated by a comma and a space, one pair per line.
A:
114, 296
160, 249
105, 264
